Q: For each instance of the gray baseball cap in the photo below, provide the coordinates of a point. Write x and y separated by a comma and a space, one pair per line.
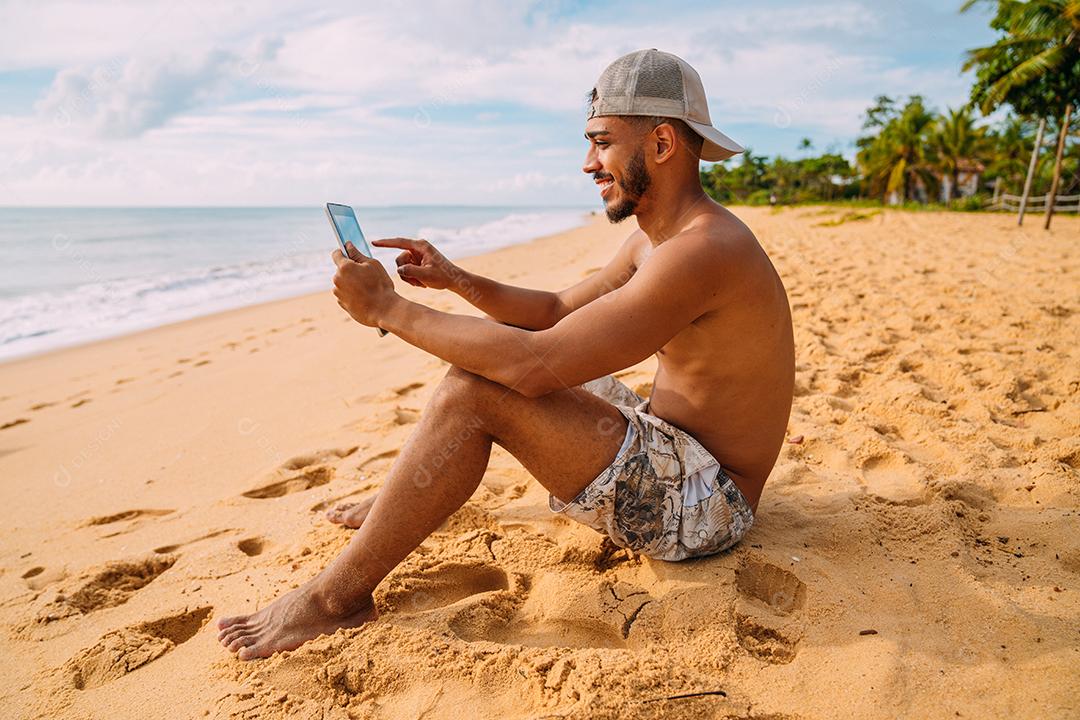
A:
650, 82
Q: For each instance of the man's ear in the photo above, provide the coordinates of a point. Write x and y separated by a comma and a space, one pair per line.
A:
664, 142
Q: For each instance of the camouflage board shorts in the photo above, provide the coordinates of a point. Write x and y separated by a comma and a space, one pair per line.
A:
664, 495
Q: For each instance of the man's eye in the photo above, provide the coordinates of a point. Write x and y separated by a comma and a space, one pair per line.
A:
600, 143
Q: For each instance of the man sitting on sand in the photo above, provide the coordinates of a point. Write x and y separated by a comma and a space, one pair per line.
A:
673, 476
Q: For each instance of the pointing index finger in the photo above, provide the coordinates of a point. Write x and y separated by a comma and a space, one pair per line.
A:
398, 242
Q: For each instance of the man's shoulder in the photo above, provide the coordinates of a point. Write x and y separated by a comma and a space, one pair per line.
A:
714, 240
725, 230
636, 240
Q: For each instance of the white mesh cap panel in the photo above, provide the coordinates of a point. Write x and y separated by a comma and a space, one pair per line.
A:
659, 76
615, 82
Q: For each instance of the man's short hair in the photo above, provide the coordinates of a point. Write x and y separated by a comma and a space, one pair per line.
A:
685, 133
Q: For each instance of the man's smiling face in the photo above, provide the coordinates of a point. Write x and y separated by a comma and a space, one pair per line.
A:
616, 160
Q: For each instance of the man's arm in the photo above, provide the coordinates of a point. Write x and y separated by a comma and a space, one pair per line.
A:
621, 328
517, 306
610, 277
422, 265
540, 309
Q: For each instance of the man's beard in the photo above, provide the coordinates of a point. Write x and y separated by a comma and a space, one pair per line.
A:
634, 184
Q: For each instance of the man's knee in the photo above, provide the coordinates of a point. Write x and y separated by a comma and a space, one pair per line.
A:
460, 387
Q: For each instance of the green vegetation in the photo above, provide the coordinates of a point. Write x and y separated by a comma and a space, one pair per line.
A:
850, 216
911, 155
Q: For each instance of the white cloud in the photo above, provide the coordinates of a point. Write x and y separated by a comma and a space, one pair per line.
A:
125, 100
481, 102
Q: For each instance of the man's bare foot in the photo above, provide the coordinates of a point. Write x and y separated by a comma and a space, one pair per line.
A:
287, 623
352, 514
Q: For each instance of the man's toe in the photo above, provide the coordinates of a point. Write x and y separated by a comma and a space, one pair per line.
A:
235, 631
253, 651
240, 642
227, 622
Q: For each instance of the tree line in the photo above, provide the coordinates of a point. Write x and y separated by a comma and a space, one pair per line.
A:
908, 152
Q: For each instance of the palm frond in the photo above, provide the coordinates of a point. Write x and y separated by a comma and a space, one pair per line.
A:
1020, 75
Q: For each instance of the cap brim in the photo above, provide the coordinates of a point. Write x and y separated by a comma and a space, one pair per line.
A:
717, 145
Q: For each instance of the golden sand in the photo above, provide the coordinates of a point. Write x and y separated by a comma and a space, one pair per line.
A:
916, 552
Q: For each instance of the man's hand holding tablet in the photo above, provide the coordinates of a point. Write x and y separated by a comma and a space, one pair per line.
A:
361, 285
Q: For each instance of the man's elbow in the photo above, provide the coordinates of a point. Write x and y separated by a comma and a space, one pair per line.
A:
538, 382
556, 310
533, 387
533, 376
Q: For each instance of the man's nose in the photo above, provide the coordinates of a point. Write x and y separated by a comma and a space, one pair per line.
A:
592, 163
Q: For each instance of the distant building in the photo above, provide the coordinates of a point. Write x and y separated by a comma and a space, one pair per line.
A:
967, 180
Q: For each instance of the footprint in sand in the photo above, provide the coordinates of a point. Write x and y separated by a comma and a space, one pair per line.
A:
892, 478
170, 549
38, 578
251, 546
388, 419
312, 474
310, 478
406, 416
379, 457
121, 651
302, 461
125, 515
329, 502
469, 517
406, 389
108, 587
769, 611
562, 610
501, 486
1070, 459
443, 585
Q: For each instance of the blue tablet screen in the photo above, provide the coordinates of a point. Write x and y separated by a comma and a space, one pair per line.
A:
348, 228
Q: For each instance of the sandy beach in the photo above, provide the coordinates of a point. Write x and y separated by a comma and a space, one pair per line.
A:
915, 552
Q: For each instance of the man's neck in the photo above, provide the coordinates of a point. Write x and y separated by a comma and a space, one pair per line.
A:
667, 213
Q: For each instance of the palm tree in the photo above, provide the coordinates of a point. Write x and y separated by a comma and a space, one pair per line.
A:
1008, 151
957, 142
1035, 66
899, 156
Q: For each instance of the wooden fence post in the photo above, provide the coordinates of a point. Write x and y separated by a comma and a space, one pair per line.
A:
1031, 171
1057, 166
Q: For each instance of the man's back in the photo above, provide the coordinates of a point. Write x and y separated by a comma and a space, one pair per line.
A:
727, 378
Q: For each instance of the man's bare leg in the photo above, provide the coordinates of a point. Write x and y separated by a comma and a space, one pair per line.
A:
564, 439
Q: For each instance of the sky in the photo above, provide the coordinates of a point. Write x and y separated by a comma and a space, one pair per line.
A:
477, 103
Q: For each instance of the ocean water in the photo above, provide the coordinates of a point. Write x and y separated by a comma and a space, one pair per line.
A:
71, 275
